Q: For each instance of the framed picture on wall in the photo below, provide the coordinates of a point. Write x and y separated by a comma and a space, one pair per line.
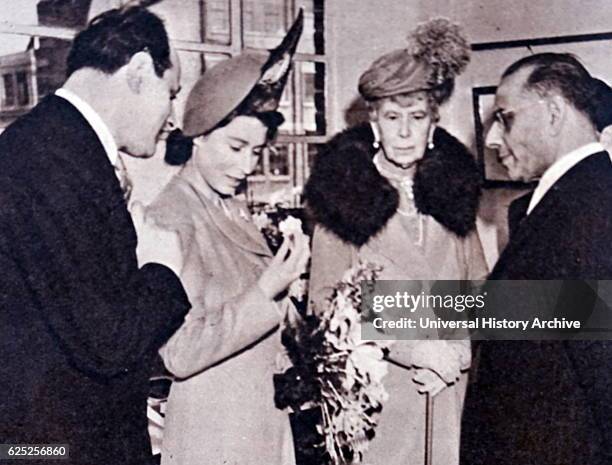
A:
492, 170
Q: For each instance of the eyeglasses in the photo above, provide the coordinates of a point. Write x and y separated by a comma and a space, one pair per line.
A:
506, 117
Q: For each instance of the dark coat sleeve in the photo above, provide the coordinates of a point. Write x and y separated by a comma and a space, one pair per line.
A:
67, 248
104, 327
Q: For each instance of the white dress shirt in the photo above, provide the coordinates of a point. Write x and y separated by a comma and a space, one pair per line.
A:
559, 168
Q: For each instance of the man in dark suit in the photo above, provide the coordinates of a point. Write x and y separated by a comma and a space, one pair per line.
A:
79, 320
547, 402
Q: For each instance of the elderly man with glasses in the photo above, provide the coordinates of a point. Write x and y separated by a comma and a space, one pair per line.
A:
547, 402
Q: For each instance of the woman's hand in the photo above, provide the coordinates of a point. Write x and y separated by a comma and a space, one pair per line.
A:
428, 381
287, 265
438, 357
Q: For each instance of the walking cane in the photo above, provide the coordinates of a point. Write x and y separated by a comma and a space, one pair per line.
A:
429, 410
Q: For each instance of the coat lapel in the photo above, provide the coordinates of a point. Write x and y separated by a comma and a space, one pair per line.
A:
241, 231
525, 228
518, 212
531, 241
88, 169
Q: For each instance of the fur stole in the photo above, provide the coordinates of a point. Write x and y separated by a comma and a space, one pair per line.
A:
347, 195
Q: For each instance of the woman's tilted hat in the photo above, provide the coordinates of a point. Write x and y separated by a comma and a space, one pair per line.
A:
437, 52
248, 80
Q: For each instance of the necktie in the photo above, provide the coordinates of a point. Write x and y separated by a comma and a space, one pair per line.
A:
124, 180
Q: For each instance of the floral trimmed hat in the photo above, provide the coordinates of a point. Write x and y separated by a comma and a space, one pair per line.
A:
437, 52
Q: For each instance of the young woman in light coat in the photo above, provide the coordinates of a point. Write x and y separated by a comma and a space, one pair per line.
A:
221, 406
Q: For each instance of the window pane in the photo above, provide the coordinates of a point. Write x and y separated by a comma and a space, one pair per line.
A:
9, 90
303, 102
273, 180
216, 22
278, 160
312, 40
313, 97
23, 92
275, 161
266, 22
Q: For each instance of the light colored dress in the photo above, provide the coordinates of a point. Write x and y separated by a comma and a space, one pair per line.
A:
224, 413
410, 247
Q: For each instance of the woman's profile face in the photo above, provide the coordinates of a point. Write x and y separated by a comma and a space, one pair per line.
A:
404, 123
226, 156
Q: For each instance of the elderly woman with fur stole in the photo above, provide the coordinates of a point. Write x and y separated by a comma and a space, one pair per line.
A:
401, 192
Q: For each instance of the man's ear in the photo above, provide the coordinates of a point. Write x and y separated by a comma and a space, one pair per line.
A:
557, 112
606, 137
137, 70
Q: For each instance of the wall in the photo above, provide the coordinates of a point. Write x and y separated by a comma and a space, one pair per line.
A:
359, 31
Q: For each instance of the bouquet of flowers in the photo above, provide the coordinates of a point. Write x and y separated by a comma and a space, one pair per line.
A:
332, 367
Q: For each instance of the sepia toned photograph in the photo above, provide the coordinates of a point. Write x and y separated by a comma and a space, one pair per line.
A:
306, 232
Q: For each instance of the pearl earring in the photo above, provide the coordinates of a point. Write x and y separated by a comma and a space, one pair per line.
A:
430, 142
376, 143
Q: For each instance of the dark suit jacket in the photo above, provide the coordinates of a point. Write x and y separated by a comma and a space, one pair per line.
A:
79, 322
548, 402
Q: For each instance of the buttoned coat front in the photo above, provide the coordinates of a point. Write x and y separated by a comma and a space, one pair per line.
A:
221, 410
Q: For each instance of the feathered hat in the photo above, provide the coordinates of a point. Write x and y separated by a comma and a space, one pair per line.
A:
437, 52
249, 80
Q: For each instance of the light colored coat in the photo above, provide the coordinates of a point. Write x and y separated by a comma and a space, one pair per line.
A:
221, 410
400, 435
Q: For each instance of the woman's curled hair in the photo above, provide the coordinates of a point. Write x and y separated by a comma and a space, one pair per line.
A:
178, 148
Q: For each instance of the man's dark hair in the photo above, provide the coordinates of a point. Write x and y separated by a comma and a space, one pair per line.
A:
561, 72
113, 37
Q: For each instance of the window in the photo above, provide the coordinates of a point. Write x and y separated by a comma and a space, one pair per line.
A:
216, 20
9, 91
35, 38
23, 94
230, 26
